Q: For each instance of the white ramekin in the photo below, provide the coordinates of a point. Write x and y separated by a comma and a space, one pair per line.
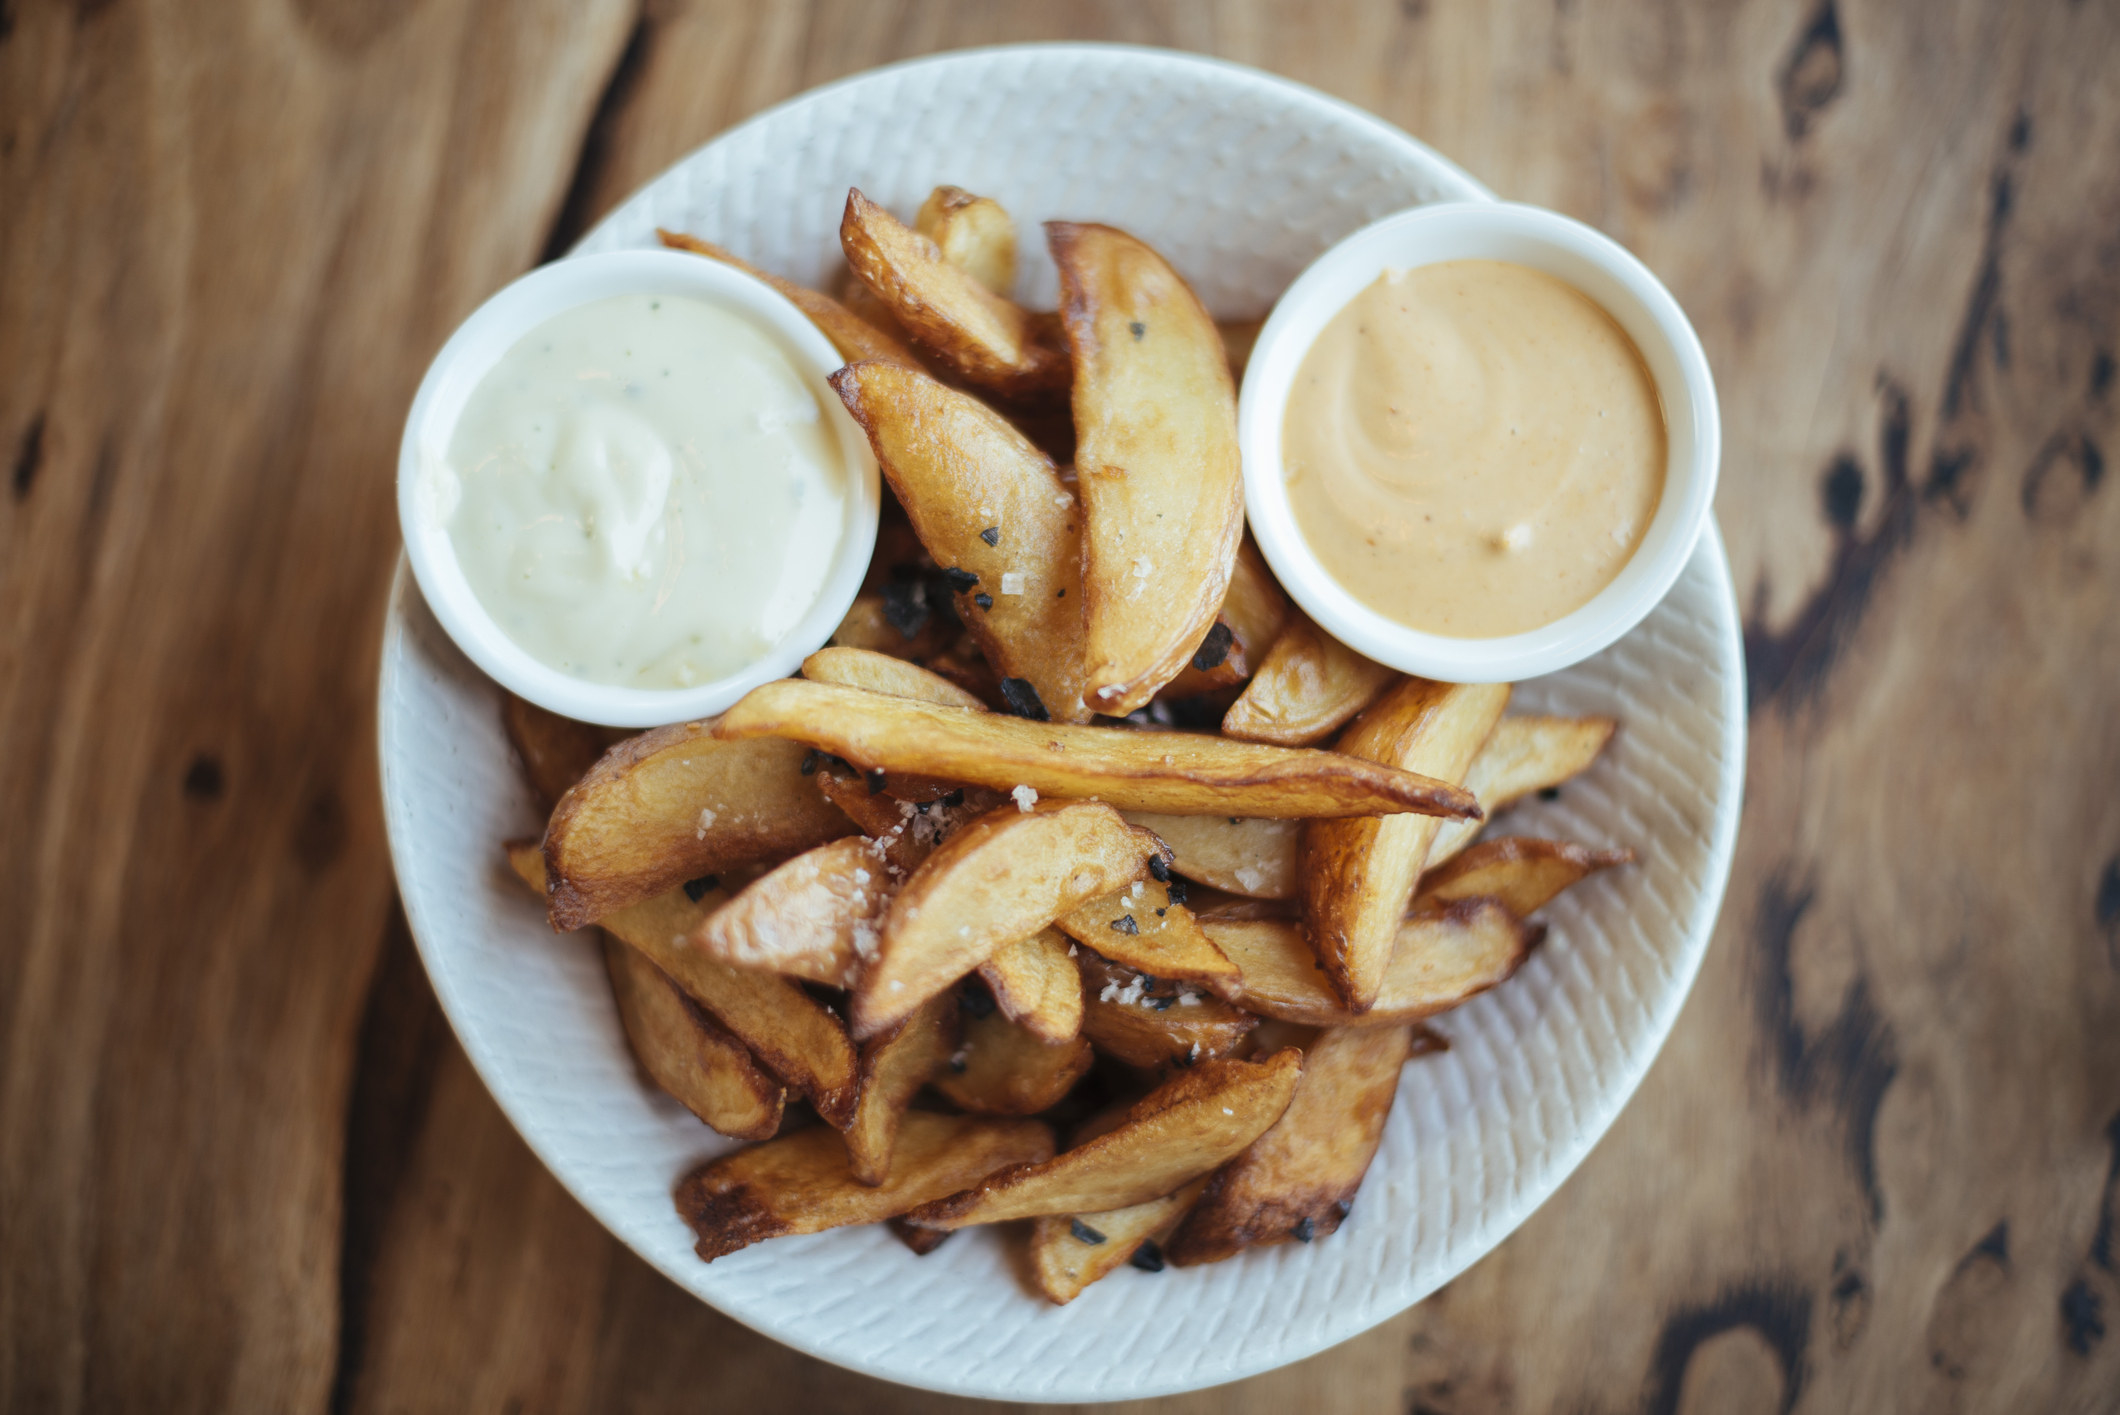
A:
1593, 264
474, 349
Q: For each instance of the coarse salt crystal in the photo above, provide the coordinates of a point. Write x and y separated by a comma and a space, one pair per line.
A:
861, 876
1025, 797
1011, 582
1188, 999
897, 985
706, 823
1227, 1111
1143, 567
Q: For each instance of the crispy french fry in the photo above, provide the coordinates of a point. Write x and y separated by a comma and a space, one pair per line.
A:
1298, 1180
984, 338
1147, 1022
1357, 877
1308, 687
1523, 873
867, 626
555, 752
672, 805
1037, 986
852, 336
1170, 772
975, 234
800, 1183
1071, 1251
688, 1053
1001, 1069
1156, 453
1000, 878
1524, 754
1440, 961
1178, 1132
1245, 629
788, 1032
1143, 928
893, 1068
815, 917
881, 673
994, 514
1248, 855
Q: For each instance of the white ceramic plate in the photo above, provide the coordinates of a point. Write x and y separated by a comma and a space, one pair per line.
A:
1240, 179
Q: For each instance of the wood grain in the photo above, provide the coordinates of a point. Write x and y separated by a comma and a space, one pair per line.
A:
243, 1165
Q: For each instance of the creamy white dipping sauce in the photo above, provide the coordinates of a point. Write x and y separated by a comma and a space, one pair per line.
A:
644, 492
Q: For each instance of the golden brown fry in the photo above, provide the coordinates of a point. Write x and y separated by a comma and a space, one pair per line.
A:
1246, 627
1156, 454
1309, 685
1170, 772
671, 805
908, 831
975, 234
983, 338
893, 1068
1356, 877
852, 336
1147, 1022
1001, 1069
1000, 878
881, 673
866, 627
688, 1053
1178, 1132
800, 1183
789, 1033
1139, 927
1298, 1180
1440, 961
554, 751
815, 917
1246, 855
1523, 873
1071, 1251
1524, 754
1037, 986
993, 513
862, 303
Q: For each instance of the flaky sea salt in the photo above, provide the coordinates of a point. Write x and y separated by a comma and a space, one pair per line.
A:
1011, 582
1025, 797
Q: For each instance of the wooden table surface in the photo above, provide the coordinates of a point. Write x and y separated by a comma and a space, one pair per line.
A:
244, 1166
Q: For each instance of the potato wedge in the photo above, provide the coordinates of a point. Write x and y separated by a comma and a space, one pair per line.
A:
687, 1053
1523, 873
862, 303
671, 805
994, 514
868, 626
1245, 629
1037, 986
984, 338
1143, 928
975, 234
816, 917
1308, 686
1248, 855
1524, 754
1298, 1180
1356, 878
1150, 1023
1156, 454
1169, 772
1178, 1132
800, 1183
854, 337
881, 673
1440, 961
1000, 878
787, 1031
1001, 1069
1071, 1251
894, 1067
554, 751
909, 831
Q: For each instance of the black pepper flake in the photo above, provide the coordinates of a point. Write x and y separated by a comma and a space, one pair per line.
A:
954, 798
983, 600
810, 759
1060, 593
920, 808
957, 1064
1176, 891
1304, 1230
1161, 912
1550, 793
1148, 1257
991, 535
960, 580
875, 780
905, 607
1022, 699
1159, 869
1125, 924
1161, 1004
1214, 648
977, 1002
696, 889
1137, 329
1083, 1232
